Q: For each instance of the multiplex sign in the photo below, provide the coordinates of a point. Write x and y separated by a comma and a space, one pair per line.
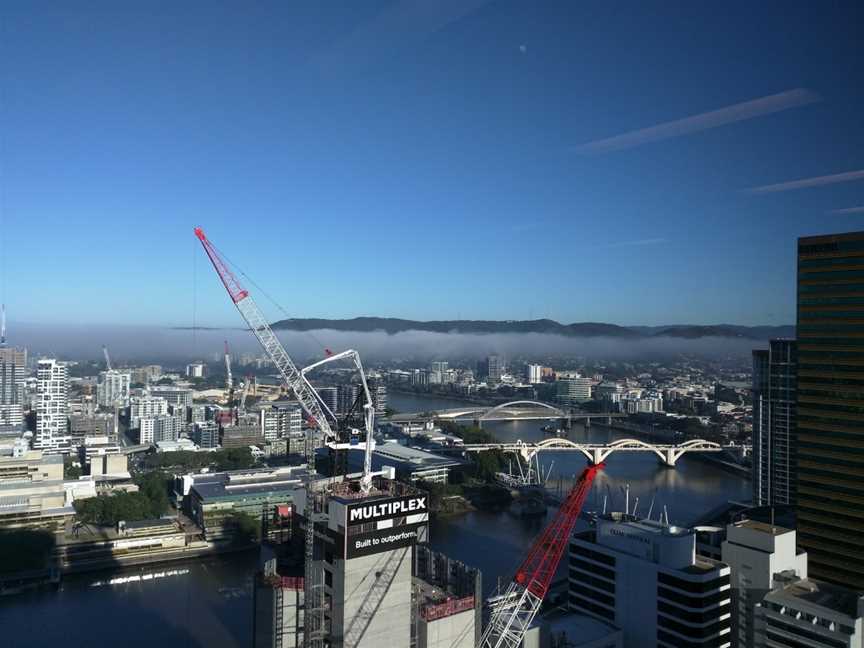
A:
366, 512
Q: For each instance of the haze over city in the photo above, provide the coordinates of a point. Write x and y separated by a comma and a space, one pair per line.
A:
431, 324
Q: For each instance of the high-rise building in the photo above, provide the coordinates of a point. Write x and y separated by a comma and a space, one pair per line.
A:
645, 578
281, 420
153, 429
572, 391
206, 434
494, 369
52, 406
534, 373
830, 406
774, 404
196, 370
12, 365
348, 394
440, 366
330, 397
379, 397
756, 552
112, 388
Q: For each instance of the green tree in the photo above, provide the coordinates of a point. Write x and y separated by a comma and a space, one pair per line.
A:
70, 470
245, 528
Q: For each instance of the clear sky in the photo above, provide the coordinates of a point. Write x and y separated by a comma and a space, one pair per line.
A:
425, 160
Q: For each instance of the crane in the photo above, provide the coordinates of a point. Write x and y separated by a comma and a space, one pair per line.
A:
107, 357
309, 399
513, 611
2, 325
368, 409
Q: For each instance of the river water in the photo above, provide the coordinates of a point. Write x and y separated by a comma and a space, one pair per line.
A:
208, 603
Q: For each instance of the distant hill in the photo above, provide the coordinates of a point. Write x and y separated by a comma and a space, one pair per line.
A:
392, 326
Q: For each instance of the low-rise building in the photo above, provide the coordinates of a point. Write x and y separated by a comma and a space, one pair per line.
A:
213, 498
411, 464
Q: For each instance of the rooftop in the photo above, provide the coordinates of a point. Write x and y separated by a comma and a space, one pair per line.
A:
252, 482
832, 597
762, 527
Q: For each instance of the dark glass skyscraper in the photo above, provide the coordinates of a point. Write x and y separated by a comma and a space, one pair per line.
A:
830, 417
774, 403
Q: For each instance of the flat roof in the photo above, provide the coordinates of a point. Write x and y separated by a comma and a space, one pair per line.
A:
755, 525
244, 482
819, 593
578, 627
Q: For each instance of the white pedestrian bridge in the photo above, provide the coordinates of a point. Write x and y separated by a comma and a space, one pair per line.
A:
598, 453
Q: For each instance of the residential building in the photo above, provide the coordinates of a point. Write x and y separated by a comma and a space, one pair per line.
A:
645, 578
573, 391
147, 374
112, 388
163, 427
755, 553
378, 391
241, 435
330, 397
12, 367
145, 407
196, 370
830, 407
347, 396
206, 434
52, 401
534, 374
494, 369
281, 420
774, 405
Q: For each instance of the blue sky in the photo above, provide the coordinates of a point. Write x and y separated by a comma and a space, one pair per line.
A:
427, 161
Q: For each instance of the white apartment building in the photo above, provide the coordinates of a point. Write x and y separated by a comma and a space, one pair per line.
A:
52, 406
196, 370
146, 406
112, 388
153, 429
534, 373
645, 578
12, 364
572, 391
281, 420
176, 396
775, 603
755, 552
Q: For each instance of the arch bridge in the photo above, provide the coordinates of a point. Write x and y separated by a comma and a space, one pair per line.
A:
598, 453
518, 410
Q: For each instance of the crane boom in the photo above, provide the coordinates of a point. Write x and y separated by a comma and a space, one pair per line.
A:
267, 338
368, 409
514, 611
107, 357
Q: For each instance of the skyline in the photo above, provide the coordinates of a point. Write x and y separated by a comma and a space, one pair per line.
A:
480, 161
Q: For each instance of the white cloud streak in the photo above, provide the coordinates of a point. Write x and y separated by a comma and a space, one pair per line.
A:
704, 121
637, 242
807, 183
848, 210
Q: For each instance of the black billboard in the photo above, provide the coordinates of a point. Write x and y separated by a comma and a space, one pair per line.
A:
372, 542
365, 512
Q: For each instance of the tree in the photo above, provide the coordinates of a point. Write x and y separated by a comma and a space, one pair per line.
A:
154, 486
70, 470
244, 528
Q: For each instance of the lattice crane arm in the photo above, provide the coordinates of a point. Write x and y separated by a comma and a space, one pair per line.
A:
266, 337
514, 611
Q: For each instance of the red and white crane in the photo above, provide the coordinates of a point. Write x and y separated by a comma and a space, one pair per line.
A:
308, 398
513, 611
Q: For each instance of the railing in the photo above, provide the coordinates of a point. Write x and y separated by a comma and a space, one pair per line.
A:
285, 582
447, 608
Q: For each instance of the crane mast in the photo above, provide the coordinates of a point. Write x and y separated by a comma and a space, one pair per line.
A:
229, 382
514, 610
107, 357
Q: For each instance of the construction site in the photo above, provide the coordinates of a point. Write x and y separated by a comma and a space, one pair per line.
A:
346, 565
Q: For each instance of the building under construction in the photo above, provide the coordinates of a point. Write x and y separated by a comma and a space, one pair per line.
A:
371, 582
